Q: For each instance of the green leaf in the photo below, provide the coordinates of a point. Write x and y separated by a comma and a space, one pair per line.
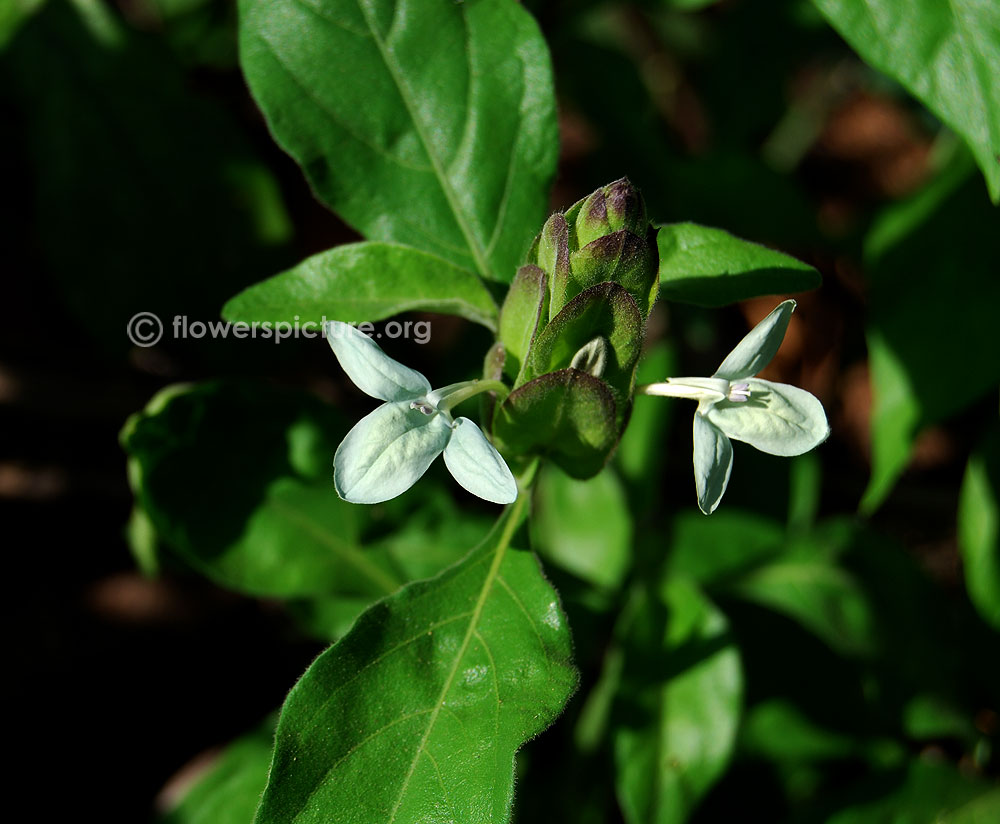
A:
928, 792
710, 267
779, 731
823, 598
730, 543
196, 214
449, 150
13, 14
944, 53
258, 461
982, 810
583, 526
979, 528
417, 713
642, 453
365, 282
230, 792
434, 535
684, 687
566, 415
924, 367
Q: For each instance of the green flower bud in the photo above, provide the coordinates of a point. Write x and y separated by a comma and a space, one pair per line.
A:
615, 207
606, 237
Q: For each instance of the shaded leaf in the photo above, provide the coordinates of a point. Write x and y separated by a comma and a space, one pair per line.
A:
236, 480
583, 526
157, 184
926, 366
927, 792
230, 792
979, 528
822, 597
684, 686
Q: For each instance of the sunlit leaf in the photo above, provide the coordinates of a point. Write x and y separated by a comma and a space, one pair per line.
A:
449, 149
945, 54
417, 713
710, 267
365, 282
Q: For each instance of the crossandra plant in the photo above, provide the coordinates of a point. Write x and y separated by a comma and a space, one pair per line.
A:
451, 647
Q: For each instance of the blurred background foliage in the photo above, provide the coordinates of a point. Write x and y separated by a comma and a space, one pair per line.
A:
823, 649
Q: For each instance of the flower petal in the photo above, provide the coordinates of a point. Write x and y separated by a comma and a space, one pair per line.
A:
755, 351
713, 462
386, 452
477, 466
371, 369
778, 419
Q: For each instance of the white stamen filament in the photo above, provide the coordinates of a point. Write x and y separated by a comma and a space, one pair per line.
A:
739, 392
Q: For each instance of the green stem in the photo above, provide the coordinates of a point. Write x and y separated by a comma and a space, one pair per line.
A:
451, 396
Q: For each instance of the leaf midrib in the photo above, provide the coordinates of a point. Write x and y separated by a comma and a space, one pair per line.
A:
478, 253
513, 519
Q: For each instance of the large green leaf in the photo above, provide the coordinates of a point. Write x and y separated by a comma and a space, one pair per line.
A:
979, 528
236, 480
416, 714
230, 792
365, 282
928, 358
583, 526
448, 149
683, 692
710, 267
945, 53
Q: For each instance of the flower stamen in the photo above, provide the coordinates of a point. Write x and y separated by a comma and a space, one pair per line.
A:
739, 392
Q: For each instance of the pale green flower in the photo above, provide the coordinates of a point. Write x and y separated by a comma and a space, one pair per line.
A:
390, 449
773, 417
